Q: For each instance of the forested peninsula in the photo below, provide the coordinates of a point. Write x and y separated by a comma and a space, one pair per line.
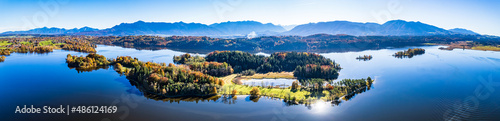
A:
213, 75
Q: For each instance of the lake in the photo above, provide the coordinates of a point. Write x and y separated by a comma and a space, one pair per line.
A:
438, 85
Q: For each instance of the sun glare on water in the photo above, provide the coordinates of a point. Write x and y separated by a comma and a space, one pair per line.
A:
320, 107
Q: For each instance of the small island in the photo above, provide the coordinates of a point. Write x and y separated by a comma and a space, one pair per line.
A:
90, 62
365, 57
2, 58
409, 53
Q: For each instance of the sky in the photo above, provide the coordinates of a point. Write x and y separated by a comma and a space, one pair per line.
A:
480, 16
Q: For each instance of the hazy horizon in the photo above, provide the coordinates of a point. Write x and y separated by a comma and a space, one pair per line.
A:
478, 16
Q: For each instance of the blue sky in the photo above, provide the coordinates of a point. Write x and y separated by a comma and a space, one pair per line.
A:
478, 15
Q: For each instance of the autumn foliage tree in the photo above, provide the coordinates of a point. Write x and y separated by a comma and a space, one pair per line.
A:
255, 91
4, 52
2, 58
89, 61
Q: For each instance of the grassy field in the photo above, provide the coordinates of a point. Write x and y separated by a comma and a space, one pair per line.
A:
26, 43
492, 48
49, 43
5, 43
281, 93
271, 75
46, 43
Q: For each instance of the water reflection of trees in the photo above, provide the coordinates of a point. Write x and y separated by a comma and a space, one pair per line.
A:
226, 99
90, 69
364, 58
253, 98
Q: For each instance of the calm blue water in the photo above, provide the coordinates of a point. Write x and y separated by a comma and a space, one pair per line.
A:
439, 85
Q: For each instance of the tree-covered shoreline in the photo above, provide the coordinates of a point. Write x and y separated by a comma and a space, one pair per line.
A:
312, 43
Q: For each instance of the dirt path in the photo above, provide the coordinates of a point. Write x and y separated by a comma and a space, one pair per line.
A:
228, 79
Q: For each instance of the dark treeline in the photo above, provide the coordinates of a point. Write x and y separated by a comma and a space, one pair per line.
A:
239, 60
327, 72
313, 43
306, 65
212, 68
249, 72
288, 61
277, 62
409, 53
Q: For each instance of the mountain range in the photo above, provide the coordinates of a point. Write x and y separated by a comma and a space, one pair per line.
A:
390, 28
244, 28
53, 31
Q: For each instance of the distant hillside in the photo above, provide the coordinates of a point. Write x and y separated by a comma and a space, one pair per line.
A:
246, 27
463, 31
157, 28
238, 28
400, 27
334, 27
52, 31
392, 28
